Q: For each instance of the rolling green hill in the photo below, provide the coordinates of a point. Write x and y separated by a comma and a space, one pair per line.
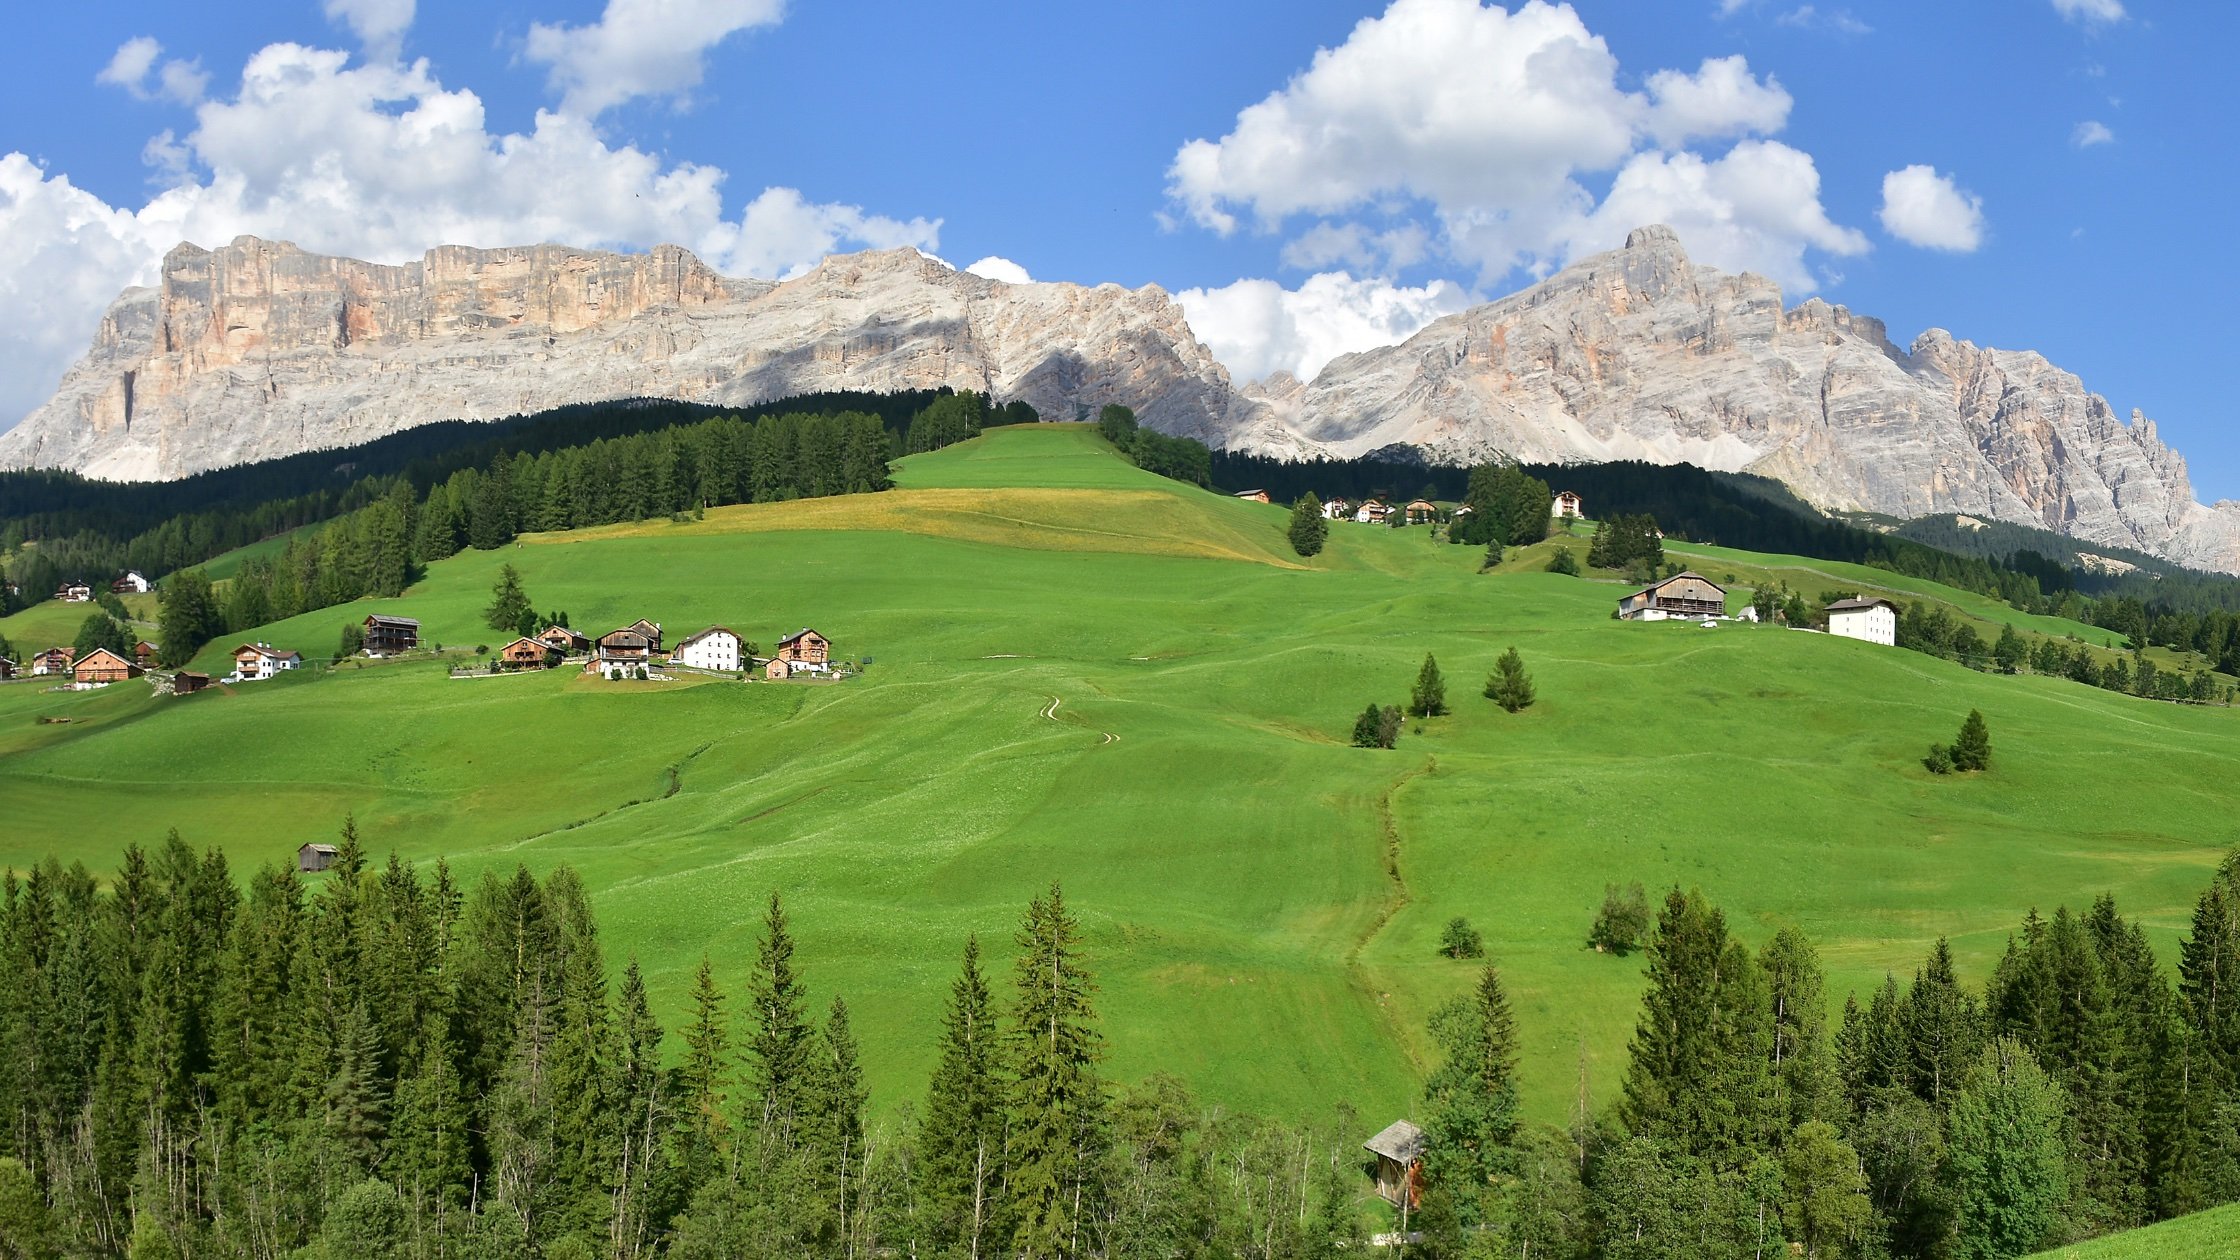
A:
2202, 1236
1080, 671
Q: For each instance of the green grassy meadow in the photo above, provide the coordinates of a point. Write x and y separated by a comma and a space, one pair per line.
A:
2203, 1236
1079, 671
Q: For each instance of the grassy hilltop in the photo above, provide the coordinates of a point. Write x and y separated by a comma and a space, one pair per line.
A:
1080, 671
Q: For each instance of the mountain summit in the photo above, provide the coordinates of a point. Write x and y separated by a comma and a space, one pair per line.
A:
260, 349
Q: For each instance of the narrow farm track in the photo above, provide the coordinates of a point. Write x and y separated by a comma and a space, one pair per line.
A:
1396, 899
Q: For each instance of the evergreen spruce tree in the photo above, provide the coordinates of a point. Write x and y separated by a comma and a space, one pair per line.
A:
1308, 530
1471, 1111
507, 600
1509, 686
777, 1050
1057, 1101
960, 1138
641, 1116
2009, 653
833, 1100
1943, 1029
1972, 749
1429, 699
703, 1082
1365, 728
1698, 1076
1804, 1073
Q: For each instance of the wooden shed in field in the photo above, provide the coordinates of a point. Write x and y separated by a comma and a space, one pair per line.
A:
316, 857
1399, 1152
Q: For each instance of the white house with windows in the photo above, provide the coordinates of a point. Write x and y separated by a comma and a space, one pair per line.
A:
713, 648
1874, 620
255, 662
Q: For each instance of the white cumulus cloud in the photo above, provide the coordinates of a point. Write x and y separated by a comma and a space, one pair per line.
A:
1481, 127
377, 161
1755, 209
1257, 327
182, 82
2090, 133
379, 24
994, 268
640, 48
1921, 207
2090, 12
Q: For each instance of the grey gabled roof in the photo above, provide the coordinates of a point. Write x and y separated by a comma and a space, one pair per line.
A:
1401, 1142
384, 619
1859, 602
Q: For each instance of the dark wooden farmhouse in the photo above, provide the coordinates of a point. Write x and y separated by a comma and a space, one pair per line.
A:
625, 647
1688, 594
565, 641
387, 636
144, 653
528, 654
804, 647
652, 632
316, 857
185, 683
103, 666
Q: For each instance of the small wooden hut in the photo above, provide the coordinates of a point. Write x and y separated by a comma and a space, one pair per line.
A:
1399, 1152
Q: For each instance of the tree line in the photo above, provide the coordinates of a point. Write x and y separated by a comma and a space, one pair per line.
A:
385, 1064
382, 547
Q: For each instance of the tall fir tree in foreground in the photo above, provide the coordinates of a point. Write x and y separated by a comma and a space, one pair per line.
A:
961, 1135
778, 1047
1058, 1103
1471, 1109
508, 602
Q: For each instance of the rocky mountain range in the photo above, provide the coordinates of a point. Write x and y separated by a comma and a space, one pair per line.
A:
260, 349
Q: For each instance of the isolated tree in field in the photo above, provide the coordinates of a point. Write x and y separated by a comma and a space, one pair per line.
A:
1388, 726
1972, 750
1365, 728
1470, 1100
1460, 940
2008, 1156
507, 601
2009, 652
1429, 699
1564, 561
1622, 921
1057, 1122
1509, 686
1308, 528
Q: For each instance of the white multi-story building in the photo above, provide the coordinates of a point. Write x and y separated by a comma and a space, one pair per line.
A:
1868, 618
712, 648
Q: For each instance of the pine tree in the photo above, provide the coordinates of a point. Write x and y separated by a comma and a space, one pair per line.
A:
1057, 1120
833, 1100
1943, 1029
1972, 749
641, 1114
703, 1080
1804, 1072
1509, 686
2009, 653
1698, 1075
507, 600
960, 1138
1308, 529
1429, 699
1365, 728
777, 1058
1471, 1110
355, 1111
187, 617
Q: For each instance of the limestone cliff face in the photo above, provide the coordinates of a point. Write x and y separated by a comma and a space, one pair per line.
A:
1639, 354
259, 349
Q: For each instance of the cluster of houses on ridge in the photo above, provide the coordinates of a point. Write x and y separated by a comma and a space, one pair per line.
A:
97, 668
1413, 512
1692, 596
82, 593
638, 646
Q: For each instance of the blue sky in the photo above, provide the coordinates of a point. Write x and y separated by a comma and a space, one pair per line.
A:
1312, 176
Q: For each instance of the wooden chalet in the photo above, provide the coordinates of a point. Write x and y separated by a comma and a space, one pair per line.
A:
565, 641
101, 667
527, 653
1566, 504
7, 669
387, 636
1252, 496
74, 593
805, 647
131, 584
1372, 512
55, 660
186, 683
1422, 512
777, 670
652, 632
1399, 1152
1688, 594
144, 653
624, 647
312, 858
